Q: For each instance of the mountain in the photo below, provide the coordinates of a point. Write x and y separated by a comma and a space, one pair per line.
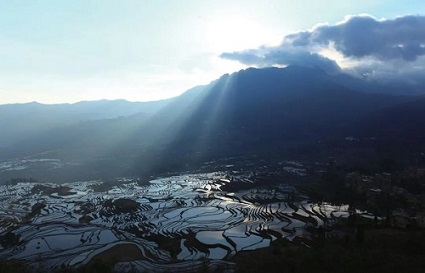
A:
262, 111
271, 112
25, 123
398, 130
292, 103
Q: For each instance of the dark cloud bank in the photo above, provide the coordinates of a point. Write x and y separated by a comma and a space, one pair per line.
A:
386, 50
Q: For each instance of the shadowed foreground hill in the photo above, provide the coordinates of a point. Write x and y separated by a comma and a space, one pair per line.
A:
264, 111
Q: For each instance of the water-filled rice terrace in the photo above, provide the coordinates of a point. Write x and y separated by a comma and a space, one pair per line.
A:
179, 223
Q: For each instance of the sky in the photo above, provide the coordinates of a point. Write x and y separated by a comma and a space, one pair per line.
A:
57, 51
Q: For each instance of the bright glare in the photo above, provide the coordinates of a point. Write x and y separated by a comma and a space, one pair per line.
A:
232, 33
331, 53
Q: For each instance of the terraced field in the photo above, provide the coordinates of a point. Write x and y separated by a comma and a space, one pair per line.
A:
179, 223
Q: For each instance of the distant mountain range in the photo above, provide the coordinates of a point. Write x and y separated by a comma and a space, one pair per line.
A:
25, 123
283, 112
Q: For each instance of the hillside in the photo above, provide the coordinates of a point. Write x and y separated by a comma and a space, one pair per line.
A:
272, 112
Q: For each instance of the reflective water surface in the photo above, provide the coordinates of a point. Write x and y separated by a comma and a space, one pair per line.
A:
180, 222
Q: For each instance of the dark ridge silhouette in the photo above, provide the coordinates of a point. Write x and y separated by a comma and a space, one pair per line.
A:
267, 112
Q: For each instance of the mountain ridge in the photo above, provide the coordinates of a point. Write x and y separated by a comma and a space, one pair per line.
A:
268, 111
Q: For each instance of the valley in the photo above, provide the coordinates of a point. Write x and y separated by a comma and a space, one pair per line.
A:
257, 163
173, 222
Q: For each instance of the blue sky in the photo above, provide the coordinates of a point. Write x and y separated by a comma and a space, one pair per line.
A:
68, 51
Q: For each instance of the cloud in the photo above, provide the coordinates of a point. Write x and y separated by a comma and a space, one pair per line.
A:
365, 36
376, 49
283, 55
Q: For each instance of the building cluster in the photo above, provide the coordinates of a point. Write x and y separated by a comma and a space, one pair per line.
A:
398, 197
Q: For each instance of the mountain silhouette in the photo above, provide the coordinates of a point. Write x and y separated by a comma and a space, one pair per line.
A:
266, 112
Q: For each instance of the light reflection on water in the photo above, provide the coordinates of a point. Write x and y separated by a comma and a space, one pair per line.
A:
191, 210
